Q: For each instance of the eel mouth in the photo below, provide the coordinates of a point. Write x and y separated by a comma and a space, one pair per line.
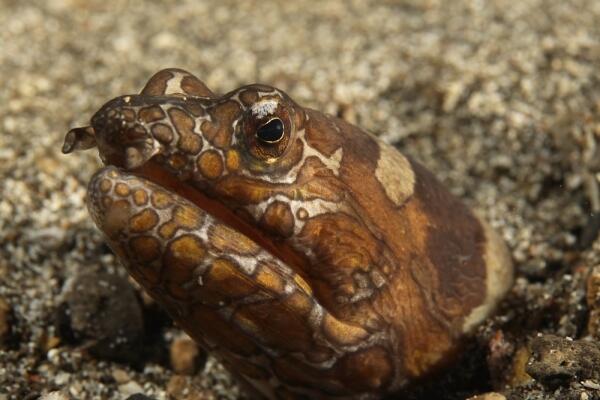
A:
152, 171
85, 138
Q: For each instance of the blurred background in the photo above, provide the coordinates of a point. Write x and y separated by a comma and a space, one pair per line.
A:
499, 98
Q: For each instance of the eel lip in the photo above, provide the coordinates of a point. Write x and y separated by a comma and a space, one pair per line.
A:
82, 138
206, 201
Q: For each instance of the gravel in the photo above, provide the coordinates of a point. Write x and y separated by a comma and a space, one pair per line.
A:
500, 99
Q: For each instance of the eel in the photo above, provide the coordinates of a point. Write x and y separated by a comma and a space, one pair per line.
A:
312, 259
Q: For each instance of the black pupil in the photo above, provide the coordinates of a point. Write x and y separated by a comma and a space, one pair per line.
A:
271, 132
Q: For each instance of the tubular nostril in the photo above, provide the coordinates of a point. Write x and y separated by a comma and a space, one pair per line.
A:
79, 139
122, 136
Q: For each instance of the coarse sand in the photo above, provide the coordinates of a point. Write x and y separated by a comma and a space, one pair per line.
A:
499, 98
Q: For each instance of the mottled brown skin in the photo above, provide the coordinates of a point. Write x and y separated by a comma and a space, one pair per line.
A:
314, 260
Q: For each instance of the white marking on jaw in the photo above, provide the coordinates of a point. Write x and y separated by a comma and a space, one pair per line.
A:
263, 108
246, 264
200, 270
288, 289
315, 317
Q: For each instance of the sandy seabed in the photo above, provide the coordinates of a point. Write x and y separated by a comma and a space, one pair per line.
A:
500, 99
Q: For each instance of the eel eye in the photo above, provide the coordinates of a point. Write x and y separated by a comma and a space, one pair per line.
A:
271, 132
267, 128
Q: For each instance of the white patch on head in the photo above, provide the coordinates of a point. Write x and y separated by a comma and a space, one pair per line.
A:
174, 84
498, 277
395, 174
262, 108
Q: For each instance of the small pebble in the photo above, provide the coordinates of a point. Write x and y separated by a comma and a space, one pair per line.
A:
57, 395
590, 384
101, 311
182, 388
130, 388
76, 390
185, 355
120, 376
488, 396
51, 342
53, 356
518, 375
